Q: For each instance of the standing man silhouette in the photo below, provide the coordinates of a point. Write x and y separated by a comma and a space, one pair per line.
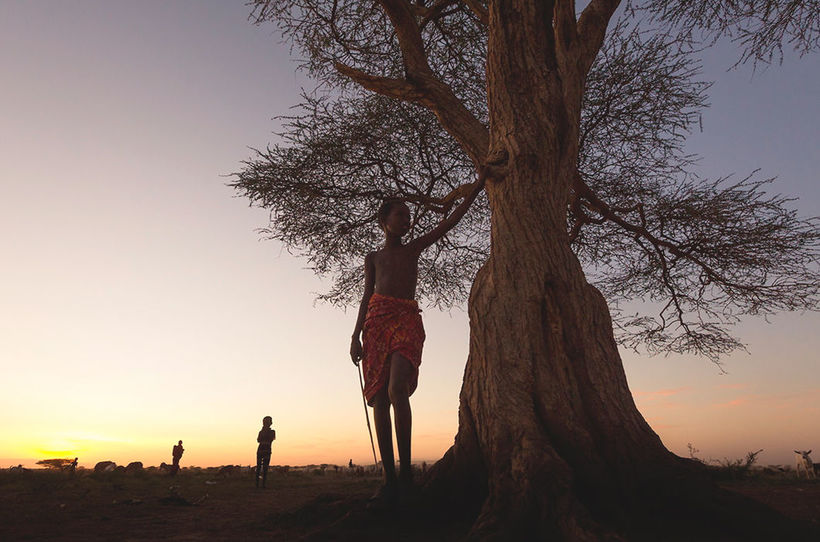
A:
265, 438
176, 453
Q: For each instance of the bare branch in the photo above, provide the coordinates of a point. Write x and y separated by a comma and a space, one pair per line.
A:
439, 97
409, 36
479, 11
564, 23
592, 28
760, 27
428, 14
400, 89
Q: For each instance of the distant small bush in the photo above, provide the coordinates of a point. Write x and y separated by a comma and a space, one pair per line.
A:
692, 452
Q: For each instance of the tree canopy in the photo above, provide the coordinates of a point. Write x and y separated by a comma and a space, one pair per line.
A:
761, 28
56, 464
700, 253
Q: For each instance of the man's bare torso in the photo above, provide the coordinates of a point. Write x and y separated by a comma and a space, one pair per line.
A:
395, 271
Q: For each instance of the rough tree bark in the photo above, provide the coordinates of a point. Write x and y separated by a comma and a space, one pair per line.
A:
550, 443
545, 410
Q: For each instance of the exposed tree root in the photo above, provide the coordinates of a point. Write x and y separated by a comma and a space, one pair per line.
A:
676, 506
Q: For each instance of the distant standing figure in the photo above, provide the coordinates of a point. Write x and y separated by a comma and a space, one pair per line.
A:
265, 438
176, 453
72, 466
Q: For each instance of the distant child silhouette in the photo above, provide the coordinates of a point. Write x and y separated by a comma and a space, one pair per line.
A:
266, 436
176, 453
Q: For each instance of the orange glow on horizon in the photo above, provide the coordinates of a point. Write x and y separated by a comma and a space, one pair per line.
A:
203, 451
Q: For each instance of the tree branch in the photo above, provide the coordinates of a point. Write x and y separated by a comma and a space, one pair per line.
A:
604, 210
408, 33
433, 12
564, 21
762, 28
392, 88
425, 88
592, 28
479, 11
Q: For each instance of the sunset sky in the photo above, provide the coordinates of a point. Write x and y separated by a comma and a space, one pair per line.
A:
140, 306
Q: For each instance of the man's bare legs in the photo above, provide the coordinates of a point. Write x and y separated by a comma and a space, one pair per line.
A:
395, 392
384, 435
398, 387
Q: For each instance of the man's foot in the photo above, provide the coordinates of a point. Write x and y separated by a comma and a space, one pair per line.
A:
385, 498
408, 492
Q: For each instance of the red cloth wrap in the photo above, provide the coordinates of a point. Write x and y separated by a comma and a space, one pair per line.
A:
391, 325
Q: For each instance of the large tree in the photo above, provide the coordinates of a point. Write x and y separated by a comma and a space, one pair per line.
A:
589, 184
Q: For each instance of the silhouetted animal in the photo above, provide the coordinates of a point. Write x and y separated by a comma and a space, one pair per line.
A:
803, 462
105, 466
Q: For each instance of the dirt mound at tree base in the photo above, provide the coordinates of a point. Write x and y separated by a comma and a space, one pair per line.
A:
732, 517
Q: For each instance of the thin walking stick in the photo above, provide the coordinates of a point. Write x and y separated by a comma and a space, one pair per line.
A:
367, 416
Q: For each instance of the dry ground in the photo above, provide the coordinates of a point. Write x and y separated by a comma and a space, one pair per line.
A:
43, 505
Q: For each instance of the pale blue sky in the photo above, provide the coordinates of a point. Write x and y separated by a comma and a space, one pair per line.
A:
141, 307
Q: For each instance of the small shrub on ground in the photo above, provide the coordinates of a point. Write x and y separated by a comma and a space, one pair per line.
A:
735, 469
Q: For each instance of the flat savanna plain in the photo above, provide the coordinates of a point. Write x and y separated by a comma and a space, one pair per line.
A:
204, 505
200, 504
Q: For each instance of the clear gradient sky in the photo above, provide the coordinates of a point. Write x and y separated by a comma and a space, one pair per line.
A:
138, 305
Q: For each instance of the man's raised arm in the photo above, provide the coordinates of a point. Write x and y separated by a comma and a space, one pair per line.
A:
447, 224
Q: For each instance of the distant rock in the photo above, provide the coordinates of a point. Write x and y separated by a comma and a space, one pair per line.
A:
229, 470
134, 466
105, 466
168, 469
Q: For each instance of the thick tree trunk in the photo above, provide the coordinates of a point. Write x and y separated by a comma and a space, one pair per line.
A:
546, 417
546, 414
550, 443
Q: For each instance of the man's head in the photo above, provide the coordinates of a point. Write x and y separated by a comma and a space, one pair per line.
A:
267, 421
180, 443
394, 217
